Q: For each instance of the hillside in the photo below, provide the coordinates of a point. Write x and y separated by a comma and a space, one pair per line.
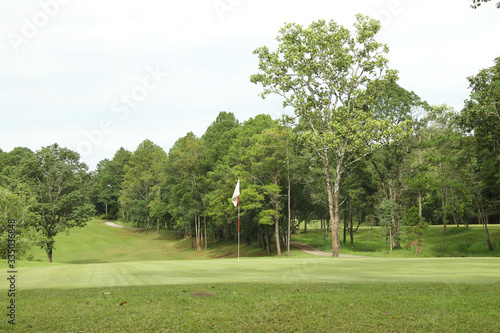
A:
100, 243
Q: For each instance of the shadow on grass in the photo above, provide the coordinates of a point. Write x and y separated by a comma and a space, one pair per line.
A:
86, 261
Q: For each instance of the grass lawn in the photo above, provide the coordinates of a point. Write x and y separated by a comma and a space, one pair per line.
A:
106, 279
263, 307
252, 270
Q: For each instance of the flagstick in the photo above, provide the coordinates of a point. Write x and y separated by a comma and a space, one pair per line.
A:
238, 228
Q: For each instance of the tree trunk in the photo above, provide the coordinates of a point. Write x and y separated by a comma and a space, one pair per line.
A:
419, 173
205, 220
333, 203
325, 228
484, 221
351, 232
444, 202
336, 220
49, 255
259, 236
345, 226
268, 243
196, 231
289, 205
277, 230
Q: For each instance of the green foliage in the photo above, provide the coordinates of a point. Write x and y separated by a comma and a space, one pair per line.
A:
415, 227
332, 79
60, 185
481, 113
386, 212
142, 180
477, 3
481, 117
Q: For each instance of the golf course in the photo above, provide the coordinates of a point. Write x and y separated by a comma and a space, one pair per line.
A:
108, 279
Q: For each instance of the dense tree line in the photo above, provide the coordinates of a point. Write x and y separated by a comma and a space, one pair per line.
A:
359, 149
443, 169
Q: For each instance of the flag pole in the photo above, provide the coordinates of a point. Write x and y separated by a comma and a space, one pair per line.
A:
238, 228
236, 201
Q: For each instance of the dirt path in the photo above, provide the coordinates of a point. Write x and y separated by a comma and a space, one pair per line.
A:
312, 250
111, 224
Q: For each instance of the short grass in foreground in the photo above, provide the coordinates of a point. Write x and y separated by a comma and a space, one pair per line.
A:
259, 307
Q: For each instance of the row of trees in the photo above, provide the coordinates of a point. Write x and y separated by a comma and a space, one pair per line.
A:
359, 148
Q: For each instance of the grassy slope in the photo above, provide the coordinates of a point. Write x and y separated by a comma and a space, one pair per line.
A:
459, 242
99, 243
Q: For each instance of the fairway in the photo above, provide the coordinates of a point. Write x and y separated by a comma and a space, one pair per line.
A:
272, 270
105, 279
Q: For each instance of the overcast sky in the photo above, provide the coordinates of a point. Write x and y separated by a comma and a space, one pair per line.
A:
95, 76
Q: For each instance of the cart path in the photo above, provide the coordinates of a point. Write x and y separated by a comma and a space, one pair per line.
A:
111, 224
312, 250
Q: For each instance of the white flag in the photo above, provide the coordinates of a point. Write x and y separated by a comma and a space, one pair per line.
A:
236, 194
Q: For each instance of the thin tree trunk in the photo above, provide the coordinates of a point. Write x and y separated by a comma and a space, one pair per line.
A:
484, 221
289, 207
419, 173
268, 243
259, 236
325, 228
277, 230
351, 232
49, 255
444, 202
345, 226
205, 220
298, 224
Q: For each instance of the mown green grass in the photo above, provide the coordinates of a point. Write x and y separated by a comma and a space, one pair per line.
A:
459, 242
263, 307
99, 243
107, 279
254, 270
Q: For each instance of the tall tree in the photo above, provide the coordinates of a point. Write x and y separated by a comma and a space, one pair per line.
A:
59, 182
184, 184
399, 106
481, 117
143, 174
448, 174
16, 207
266, 167
331, 78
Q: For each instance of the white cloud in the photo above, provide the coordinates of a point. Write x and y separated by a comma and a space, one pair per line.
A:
64, 80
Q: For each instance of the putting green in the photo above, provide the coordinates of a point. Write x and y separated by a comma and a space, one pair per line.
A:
268, 270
